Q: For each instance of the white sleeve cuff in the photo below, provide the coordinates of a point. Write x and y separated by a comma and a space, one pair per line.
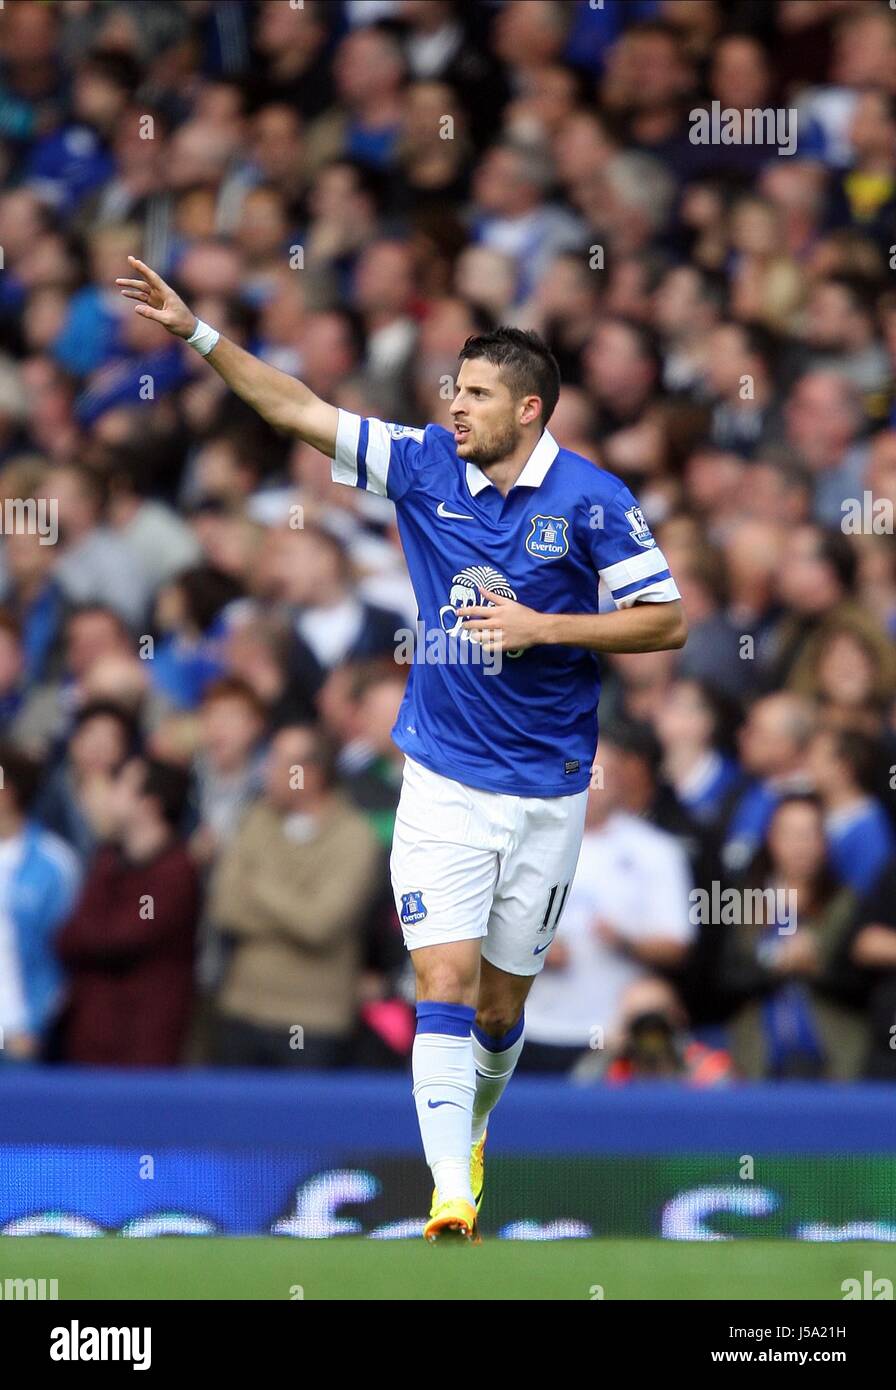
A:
344, 467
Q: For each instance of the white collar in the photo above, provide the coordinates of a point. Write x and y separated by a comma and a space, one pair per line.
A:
696, 782
535, 468
837, 822
429, 53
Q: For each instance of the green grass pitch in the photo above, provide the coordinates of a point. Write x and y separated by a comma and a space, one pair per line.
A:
278, 1267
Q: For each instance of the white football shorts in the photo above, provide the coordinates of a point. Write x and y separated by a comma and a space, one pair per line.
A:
468, 863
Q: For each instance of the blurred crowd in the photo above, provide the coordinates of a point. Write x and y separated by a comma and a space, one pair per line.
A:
197, 674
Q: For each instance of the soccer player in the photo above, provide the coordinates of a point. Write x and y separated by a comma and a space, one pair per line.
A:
505, 535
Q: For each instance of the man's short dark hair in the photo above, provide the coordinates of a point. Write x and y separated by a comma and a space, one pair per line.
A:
119, 69
206, 591
89, 609
233, 688
370, 182
858, 290
860, 752
758, 341
643, 339
353, 322
89, 482
21, 773
169, 785
109, 709
657, 28
837, 552
527, 364
324, 752
636, 738
10, 624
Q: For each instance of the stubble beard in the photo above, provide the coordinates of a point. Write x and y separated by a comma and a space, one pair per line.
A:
494, 447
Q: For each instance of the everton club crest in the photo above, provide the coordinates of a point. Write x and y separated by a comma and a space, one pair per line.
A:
548, 538
412, 909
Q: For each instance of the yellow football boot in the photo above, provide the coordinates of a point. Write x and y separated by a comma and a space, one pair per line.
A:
452, 1220
477, 1174
477, 1170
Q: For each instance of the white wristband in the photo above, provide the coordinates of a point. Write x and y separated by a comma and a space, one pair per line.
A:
203, 338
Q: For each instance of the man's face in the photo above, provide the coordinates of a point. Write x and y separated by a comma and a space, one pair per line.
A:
75, 509
863, 54
613, 363
326, 346
766, 746
229, 727
677, 300
276, 140
292, 773
727, 359
378, 711
97, 100
487, 419
871, 130
98, 745
807, 583
829, 317
739, 74
91, 636
262, 225
500, 185
654, 71
796, 840
427, 103
819, 422
366, 64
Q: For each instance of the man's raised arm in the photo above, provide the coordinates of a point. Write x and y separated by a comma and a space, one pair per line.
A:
284, 402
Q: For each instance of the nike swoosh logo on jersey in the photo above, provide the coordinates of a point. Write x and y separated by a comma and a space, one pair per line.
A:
434, 1104
538, 949
442, 510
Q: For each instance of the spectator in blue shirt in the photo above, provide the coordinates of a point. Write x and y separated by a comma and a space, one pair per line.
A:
12, 667
773, 744
861, 839
190, 614
103, 736
694, 725
39, 879
34, 600
74, 159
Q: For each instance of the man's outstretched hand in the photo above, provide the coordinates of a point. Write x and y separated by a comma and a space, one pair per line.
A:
156, 300
287, 404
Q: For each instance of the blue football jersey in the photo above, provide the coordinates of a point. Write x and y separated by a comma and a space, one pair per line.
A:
527, 726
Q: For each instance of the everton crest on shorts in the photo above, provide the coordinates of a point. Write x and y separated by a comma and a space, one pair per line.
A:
412, 909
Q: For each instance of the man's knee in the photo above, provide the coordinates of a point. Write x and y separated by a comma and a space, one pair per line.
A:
497, 1019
